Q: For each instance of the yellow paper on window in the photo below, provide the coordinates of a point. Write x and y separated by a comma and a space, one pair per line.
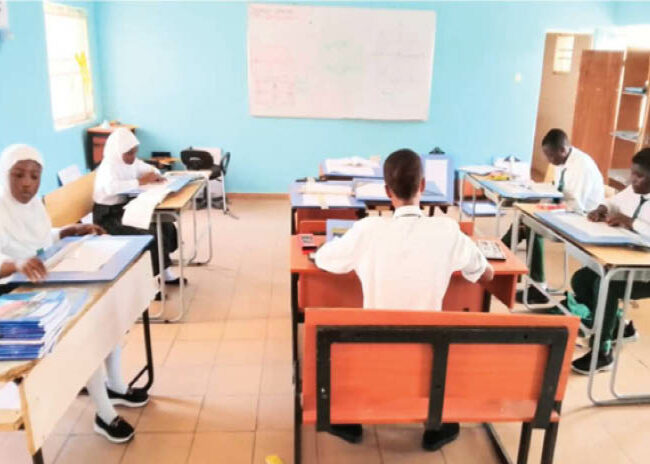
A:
82, 61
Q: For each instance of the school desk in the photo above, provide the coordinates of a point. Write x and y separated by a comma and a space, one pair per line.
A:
500, 197
301, 212
48, 386
313, 287
608, 262
172, 207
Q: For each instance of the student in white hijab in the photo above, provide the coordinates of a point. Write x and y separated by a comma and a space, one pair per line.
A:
119, 172
26, 229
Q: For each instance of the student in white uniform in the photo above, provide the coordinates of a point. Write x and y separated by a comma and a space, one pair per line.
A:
25, 228
578, 178
627, 209
119, 172
404, 262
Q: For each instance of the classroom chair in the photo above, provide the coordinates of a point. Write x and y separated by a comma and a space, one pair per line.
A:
69, 174
390, 367
197, 159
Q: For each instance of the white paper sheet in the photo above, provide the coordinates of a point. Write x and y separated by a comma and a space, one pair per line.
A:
436, 172
325, 201
90, 255
9, 396
543, 188
371, 189
139, 211
350, 166
316, 188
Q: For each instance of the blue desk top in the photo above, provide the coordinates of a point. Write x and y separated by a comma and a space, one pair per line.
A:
431, 194
497, 186
558, 221
108, 272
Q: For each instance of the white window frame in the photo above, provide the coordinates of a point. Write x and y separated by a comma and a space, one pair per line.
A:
88, 114
563, 53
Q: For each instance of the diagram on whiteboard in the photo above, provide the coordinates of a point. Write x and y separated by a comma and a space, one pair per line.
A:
334, 62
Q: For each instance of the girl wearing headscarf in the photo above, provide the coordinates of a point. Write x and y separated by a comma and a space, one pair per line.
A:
25, 228
120, 172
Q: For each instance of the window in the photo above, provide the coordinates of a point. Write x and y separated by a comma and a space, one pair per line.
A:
563, 54
71, 86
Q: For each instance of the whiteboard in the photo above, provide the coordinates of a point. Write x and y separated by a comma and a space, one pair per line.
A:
336, 62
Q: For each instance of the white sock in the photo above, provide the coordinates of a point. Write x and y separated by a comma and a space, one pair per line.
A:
114, 371
97, 391
169, 274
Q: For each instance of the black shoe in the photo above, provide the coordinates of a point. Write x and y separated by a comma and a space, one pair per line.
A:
534, 296
158, 297
433, 440
604, 363
133, 398
630, 333
176, 281
352, 433
118, 431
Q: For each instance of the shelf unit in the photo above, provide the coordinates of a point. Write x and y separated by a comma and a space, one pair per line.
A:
631, 132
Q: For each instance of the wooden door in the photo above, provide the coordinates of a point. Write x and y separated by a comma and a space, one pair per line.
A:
596, 106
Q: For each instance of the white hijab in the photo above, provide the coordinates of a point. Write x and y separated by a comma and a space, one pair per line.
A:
113, 169
25, 227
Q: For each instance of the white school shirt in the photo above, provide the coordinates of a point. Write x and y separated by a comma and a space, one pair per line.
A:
110, 187
403, 262
584, 188
626, 202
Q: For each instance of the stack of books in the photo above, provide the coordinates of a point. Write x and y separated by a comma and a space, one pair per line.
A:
30, 323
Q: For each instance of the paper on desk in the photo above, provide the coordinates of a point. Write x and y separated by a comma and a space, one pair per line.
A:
316, 188
371, 190
543, 188
354, 166
325, 201
9, 396
480, 169
90, 255
138, 212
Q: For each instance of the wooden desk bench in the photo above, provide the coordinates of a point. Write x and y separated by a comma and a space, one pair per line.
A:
385, 367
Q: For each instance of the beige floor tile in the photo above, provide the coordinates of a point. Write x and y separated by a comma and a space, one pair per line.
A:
275, 412
472, 445
69, 420
187, 353
277, 379
170, 414
245, 329
90, 449
222, 447
134, 353
279, 329
403, 445
333, 450
278, 443
13, 448
235, 380
238, 352
278, 351
158, 448
228, 413
181, 381
200, 331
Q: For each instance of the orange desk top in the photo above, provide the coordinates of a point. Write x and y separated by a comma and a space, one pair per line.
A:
301, 264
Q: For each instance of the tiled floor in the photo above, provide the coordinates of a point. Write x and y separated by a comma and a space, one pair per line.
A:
222, 392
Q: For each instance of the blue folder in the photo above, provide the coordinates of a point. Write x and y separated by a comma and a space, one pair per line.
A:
431, 193
108, 272
555, 220
174, 186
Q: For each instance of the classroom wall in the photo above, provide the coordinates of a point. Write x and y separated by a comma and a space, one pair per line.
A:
178, 71
25, 111
629, 13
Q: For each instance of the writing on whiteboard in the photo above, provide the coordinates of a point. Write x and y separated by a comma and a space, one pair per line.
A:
334, 62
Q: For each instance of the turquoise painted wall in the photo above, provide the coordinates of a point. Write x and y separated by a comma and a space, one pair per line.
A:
629, 13
178, 70
25, 110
